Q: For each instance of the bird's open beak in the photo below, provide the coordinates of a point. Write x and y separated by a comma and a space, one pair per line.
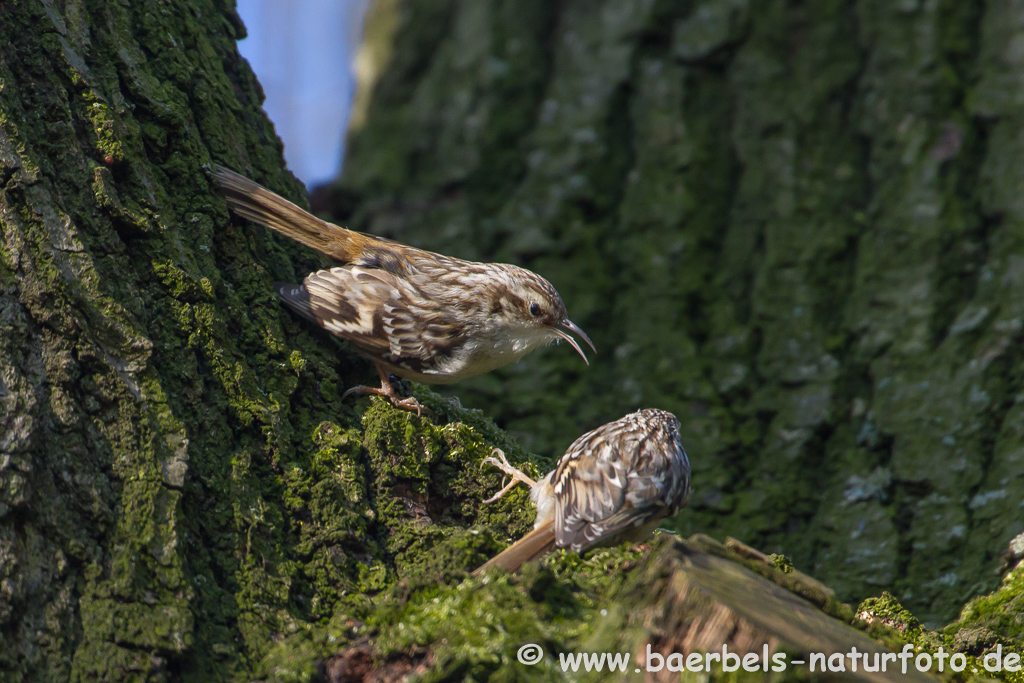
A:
573, 327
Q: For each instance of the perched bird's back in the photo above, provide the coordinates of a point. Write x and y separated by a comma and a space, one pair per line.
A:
416, 314
619, 477
614, 484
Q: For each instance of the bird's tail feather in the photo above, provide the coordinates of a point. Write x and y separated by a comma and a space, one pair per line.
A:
255, 202
530, 547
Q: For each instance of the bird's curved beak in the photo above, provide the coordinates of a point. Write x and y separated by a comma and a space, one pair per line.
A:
573, 327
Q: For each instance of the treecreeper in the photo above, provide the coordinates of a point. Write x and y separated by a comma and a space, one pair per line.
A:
614, 484
419, 315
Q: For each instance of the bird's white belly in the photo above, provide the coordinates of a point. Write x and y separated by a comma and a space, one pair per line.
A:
478, 356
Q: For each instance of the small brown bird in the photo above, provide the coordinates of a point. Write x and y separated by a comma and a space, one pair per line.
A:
613, 484
413, 313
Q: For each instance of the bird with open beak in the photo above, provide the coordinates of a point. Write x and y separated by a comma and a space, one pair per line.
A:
413, 313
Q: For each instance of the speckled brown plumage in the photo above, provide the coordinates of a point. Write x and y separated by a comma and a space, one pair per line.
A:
413, 313
613, 484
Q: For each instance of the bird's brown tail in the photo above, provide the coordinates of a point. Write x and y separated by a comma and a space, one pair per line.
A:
253, 201
533, 545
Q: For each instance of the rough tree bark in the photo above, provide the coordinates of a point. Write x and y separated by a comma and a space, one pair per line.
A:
141, 353
180, 486
797, 225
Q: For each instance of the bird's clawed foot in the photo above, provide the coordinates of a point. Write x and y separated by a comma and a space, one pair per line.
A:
514, 473
388, 392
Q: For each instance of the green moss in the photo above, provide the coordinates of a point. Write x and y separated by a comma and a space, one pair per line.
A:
987, 625
998, 613
105, 129
386, 510
781, 562
298, 657
181, 285
890, 612
475, 627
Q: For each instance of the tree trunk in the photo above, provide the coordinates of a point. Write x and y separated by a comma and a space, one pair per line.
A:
181, 487
142, 351
797, 225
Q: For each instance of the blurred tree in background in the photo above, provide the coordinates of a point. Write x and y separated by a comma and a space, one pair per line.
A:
797, 225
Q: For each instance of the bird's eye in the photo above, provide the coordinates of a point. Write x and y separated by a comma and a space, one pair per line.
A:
535, 310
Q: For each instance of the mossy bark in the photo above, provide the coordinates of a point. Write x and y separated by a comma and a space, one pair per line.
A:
181, 487
797, 225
